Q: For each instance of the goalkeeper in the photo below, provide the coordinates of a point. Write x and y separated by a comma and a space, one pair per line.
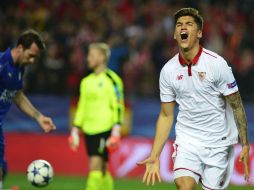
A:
99, 116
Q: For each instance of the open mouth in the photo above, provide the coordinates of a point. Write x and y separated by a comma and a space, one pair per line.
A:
184, 36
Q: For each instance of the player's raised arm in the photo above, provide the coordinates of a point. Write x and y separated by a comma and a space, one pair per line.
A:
163, 128
26, 106
236, 104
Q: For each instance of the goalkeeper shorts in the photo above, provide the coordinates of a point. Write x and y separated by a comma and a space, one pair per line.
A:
96, 144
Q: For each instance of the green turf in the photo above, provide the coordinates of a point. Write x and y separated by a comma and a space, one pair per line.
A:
78, 183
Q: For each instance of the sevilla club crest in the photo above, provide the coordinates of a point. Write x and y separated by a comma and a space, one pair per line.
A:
202, 75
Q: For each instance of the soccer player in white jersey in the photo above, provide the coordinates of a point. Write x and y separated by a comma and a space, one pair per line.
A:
211, 114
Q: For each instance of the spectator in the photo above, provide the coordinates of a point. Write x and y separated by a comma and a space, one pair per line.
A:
72, 25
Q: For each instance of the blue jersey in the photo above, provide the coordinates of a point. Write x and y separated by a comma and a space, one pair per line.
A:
10, 81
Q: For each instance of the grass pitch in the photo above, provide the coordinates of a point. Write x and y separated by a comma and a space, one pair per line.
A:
78, 183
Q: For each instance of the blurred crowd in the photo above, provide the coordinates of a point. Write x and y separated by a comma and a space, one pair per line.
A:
139, 33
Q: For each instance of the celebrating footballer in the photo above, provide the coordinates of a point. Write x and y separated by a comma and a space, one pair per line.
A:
211, 115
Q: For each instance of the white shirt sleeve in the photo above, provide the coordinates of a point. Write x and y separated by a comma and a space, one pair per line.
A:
166, 91
226, 80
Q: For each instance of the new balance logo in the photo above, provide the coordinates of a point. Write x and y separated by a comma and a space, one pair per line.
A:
179, 77
221, 183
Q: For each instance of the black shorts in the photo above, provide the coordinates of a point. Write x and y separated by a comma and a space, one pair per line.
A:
96, 144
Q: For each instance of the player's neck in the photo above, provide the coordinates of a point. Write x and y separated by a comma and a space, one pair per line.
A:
15, 53
101, 68
189, 54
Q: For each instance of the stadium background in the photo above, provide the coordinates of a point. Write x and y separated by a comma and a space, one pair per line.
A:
140, 35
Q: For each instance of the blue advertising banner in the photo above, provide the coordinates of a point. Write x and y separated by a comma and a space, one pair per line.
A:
145, 113
56, 107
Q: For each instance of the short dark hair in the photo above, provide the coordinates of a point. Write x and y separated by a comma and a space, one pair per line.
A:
28, 37
190, 12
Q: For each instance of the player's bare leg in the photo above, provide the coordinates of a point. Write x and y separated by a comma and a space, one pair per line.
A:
96, 163
95, 175
186, 183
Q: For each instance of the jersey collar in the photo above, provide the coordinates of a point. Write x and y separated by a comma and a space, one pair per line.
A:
194, 61
9, 56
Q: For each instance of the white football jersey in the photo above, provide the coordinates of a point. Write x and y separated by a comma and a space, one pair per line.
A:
204, 118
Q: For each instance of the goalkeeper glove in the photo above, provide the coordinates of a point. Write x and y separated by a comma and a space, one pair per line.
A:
114, 140
73, 138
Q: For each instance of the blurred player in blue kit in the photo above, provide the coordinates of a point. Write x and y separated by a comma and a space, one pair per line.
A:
12, 63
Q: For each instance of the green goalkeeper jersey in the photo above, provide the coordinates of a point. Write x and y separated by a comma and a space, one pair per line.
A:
101, 102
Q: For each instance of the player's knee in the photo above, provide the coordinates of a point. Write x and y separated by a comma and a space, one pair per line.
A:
95, 163
95, 166
3, 170
181, 186
185, 183
2, 174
